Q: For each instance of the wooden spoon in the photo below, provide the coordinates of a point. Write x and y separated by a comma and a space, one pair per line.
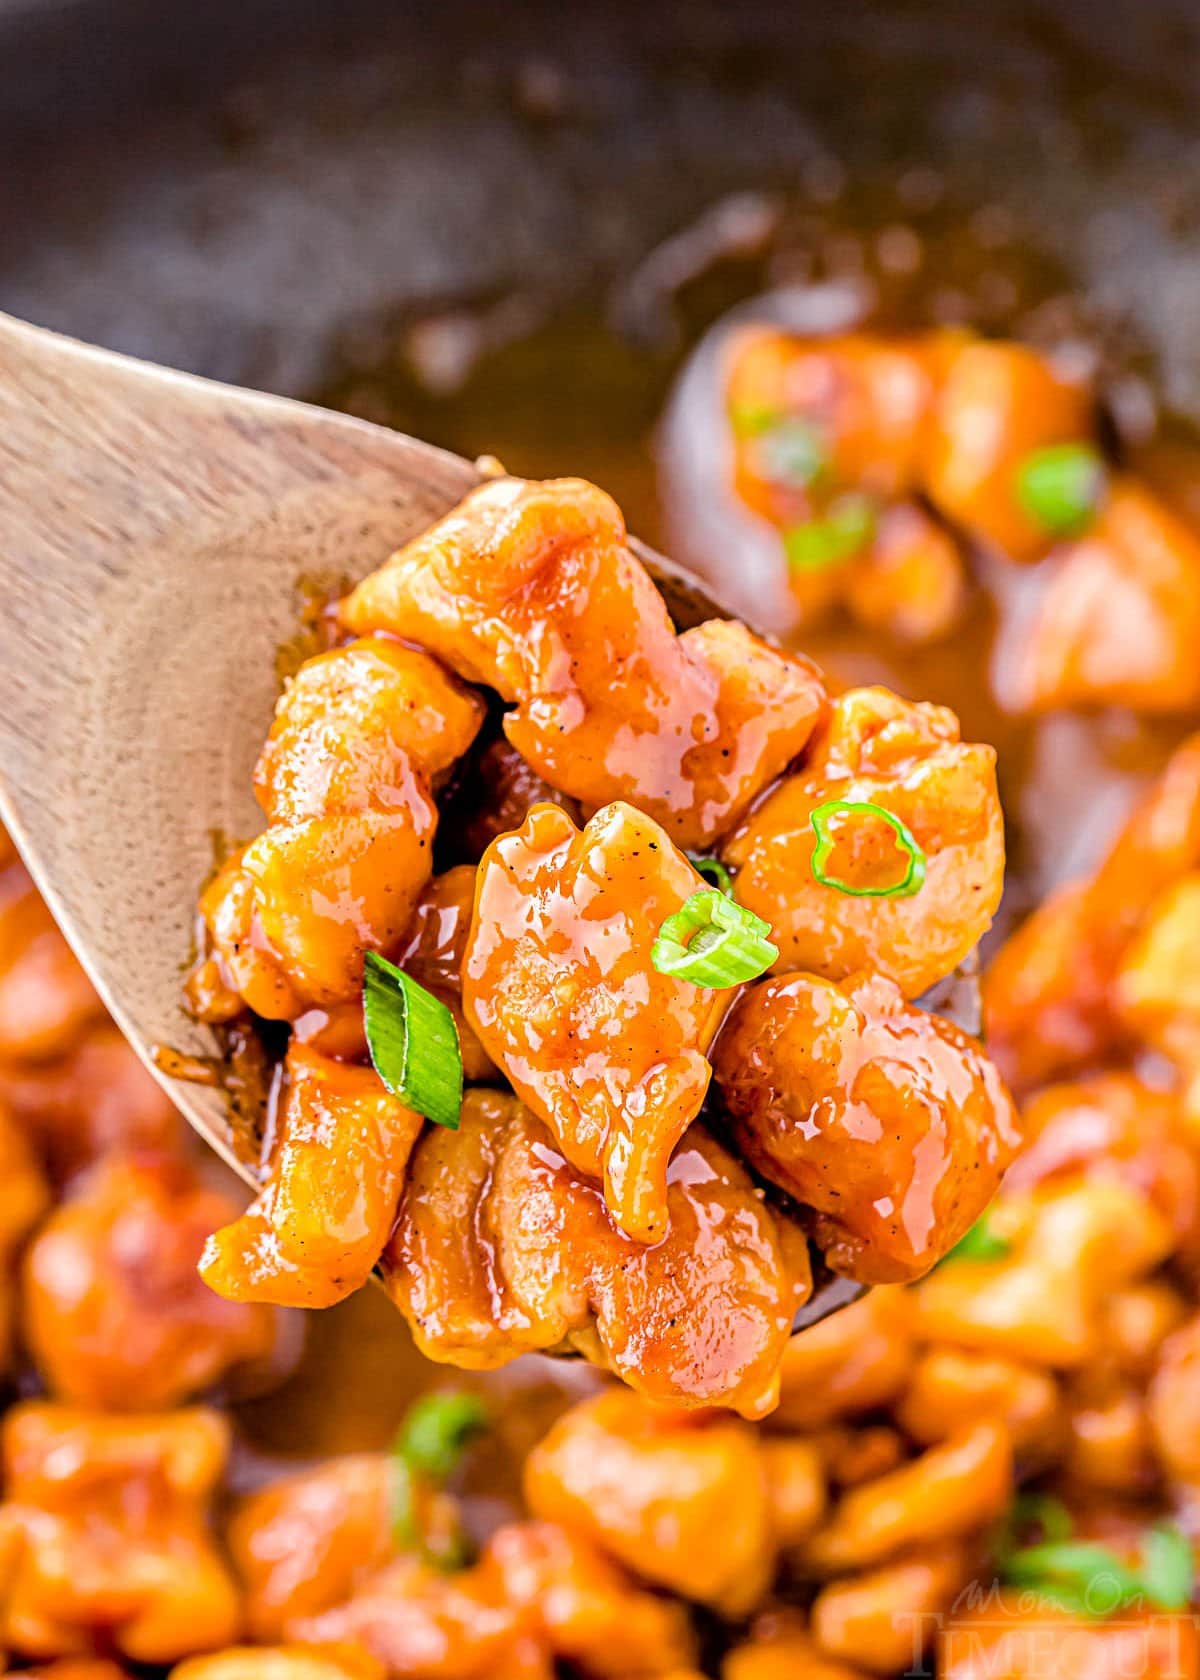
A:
159, 537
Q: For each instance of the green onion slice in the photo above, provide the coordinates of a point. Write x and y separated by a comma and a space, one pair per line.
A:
750, 419
1060, 487
1086, 1576
427, 1450
845, 530
979, 1243
822, 818
1168, 1569
713, 942
712, 870
791, 453
413, 1041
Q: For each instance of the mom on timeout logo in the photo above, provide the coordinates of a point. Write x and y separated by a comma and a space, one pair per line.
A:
993, 1632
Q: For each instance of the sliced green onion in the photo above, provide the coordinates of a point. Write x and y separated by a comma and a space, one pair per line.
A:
792, 453
1093, 1575
979, 1243
1060, 487
1087, 1577
413, 1041
428, 1448
914, 875
752, 419
437, 1431
713, 942
845, 530
1168, 1568
712, 870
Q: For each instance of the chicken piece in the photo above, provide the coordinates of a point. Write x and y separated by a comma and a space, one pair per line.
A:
283, 1662
908, 760
1119, 621
884, 1619
1011, 1638
107, 1523
114, 1313
954, 1489
502, 1249
1048, 995
559, 985
1157, 986
531, 589
1073, 1245
852, 1362
432, 951
46, 1000
951, 1389
496, 795
891, 1123
823, 432
97, 1100
1173, 1404
1114, 1127
652, 1487
309, 1541
346, 781
315, 1231
1046, 991
536, 1594
588, 1611
998, 405
814, 416
910, 582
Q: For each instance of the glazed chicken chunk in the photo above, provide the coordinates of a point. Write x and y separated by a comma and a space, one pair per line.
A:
862, 403
115, 1315
999, 406
889, 1122
105, 1534
334, 1180
501, 1248
530, 589
559, 985
308, 1541
1119, 621
907, 760
615, 1463
1091, 959
346, 781
827, 433
539, 1596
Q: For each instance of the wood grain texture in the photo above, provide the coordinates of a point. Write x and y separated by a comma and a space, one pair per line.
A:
158, 536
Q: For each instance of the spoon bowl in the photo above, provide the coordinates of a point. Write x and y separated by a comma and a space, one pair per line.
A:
160, 536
